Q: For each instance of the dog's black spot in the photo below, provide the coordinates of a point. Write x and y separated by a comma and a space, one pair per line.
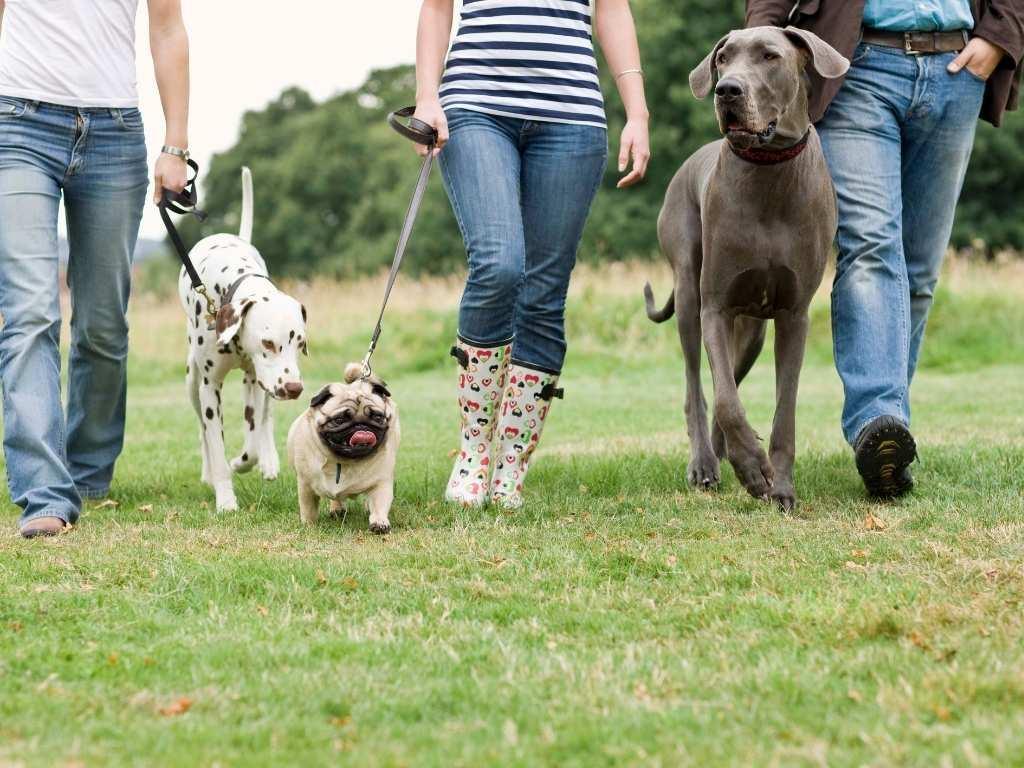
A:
199, 340
206, 381
199, 309
209, 363
245, 457
209, 413
217, 393
240, 270
286, 370
224, 269
291, 335
250, 417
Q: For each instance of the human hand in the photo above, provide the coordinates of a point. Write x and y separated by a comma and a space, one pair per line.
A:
980, 57
171, 173
635, 146
431, 112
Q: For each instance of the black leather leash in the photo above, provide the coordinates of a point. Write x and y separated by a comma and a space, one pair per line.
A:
184, 203
421, 133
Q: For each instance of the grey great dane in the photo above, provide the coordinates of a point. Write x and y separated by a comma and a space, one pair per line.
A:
747, 225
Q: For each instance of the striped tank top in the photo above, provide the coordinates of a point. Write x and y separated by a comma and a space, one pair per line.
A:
530, 59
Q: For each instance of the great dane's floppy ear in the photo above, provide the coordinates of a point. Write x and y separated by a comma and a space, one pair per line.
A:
321, 397
825, 59
702, 77
229, 320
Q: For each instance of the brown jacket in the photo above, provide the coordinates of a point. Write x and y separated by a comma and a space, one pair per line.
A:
839, 22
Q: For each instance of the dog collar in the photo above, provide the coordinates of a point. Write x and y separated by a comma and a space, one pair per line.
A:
764, 156
229, 294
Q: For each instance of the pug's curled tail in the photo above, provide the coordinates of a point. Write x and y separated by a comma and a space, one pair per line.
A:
655, 314
352, 372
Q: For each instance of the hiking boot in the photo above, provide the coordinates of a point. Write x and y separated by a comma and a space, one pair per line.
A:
884, 451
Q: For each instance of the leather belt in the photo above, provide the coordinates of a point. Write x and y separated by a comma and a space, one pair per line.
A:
917, 42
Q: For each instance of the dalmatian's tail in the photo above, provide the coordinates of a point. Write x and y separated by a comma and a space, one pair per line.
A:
245, 229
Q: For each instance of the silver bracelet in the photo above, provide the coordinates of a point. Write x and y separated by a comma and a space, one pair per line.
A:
629, 72
176, 152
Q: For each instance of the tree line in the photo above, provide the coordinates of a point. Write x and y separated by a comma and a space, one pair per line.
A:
333, 181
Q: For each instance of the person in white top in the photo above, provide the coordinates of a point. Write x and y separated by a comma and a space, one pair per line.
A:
70, 128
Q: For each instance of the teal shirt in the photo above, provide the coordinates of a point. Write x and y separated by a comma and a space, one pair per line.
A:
918, 15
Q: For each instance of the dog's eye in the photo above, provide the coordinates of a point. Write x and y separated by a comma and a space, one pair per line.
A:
269, 345
721, 59
770, 56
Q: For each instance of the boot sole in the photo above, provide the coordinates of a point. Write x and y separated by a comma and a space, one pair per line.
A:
882, 458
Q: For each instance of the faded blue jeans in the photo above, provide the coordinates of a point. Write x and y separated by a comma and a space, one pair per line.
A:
521, 191
897, 139
96, 159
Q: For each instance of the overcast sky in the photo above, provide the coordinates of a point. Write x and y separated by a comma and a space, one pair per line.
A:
245, 52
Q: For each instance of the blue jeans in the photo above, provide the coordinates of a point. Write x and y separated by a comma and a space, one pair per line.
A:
96, 158
897, 139
521, 192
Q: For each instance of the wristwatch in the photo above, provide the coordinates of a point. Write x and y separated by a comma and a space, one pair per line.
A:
176, 152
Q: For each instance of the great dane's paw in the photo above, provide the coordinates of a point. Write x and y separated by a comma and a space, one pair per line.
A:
242, 464
703, 473
754, 472
380, 527
784, 495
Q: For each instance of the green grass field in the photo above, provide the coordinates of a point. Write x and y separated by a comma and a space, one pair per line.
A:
620, 619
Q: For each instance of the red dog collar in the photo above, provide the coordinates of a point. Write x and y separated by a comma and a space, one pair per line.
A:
763, 156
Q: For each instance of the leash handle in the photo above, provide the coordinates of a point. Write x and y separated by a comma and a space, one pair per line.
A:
413, 128
184, 203
421, 133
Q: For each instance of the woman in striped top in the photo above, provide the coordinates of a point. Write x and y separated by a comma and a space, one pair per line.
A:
523, 146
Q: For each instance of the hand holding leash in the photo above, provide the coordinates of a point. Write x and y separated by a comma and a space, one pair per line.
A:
431, 115
184, 203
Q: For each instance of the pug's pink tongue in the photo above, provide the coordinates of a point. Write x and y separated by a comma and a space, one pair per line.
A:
363, 439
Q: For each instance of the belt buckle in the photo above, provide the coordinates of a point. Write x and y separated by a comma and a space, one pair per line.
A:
908, 44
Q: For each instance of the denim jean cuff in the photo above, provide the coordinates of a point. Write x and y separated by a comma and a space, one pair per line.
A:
92, 495
535, 367
484, 344
68, 519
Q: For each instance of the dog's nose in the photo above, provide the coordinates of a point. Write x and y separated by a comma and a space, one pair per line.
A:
729, 88
292, 390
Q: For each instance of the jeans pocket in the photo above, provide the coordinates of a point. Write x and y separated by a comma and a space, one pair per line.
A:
11, 108
130, 120
977, 77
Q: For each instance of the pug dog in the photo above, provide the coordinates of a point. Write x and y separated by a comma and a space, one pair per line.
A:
345, 445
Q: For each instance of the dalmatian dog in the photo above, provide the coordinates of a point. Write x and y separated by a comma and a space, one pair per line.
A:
258, 329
